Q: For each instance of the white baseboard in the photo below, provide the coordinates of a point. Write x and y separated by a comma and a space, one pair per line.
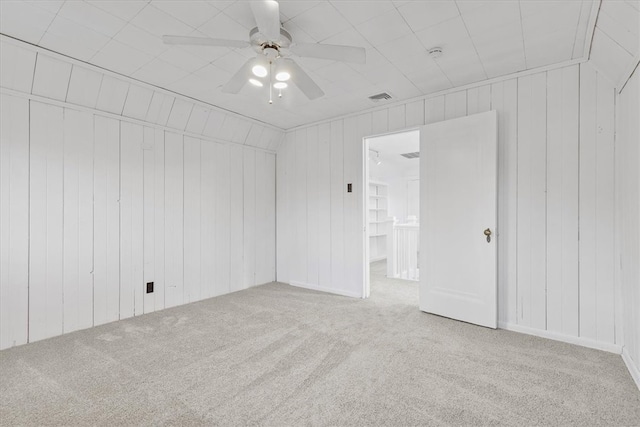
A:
584, 342
327, 290
633, 369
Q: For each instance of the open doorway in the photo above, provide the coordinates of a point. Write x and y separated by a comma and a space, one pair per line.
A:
392, 212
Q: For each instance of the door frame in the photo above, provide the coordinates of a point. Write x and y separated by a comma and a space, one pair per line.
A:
366, 285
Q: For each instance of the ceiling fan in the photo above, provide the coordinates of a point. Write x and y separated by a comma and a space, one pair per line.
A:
273, 45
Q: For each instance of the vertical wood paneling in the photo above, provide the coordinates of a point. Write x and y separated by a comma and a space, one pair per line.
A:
415, 115
154, 218
270, 215
504, 99
223, 219
102, 206
364, 129
148, 206
312, 163
78, 221
397, 116
324, 205
627, 182
544, 120
605, 191
455, 105
479, 99
249, 213
298, 202
337, 204
562, 200
380, 121
236, 219
262, 252
45, 221
192, 219
588, 153
353, 227
208, 190
596, 207
174, 219
14, 221
531, 200
283, 221
106, 220
131, 220
434, 110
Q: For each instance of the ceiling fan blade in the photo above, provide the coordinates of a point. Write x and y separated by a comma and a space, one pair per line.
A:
240, 78
267, 14
331, 51
302, 80
204, 41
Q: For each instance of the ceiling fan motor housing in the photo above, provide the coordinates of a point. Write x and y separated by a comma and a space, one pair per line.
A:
260, 43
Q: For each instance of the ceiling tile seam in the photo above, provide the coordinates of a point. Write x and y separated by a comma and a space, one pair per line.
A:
512, 76
375, 47
484, 70
422, 44
130, 19
575, 37
604, 11
74, 61
614, 40
593, 23
524, 47
66, 95
629, 73
148, 3
126, 96
49, 26
33, 74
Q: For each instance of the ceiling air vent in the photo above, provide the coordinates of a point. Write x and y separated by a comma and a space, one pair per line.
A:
380, 97
411, 155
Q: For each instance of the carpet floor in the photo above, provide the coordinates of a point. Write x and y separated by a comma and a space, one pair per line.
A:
283, 356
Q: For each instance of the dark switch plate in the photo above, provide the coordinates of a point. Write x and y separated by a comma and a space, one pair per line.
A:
349, 188
149, 287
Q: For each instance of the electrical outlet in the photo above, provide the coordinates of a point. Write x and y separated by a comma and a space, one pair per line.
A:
149, 287
349, 188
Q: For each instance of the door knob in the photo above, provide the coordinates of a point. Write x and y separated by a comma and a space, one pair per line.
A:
487, 233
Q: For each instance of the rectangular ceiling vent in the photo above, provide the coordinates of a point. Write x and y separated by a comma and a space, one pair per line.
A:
411, 155
380, 97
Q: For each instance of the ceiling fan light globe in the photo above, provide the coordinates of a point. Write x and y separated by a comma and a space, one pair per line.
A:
283, 76
259, 70
280, 85
256, 82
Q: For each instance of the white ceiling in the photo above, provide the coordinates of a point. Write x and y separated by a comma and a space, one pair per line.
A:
616, 39
388, 148
480, 39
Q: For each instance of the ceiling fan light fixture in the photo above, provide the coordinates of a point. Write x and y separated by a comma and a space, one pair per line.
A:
259, 70
256, 82
283, 76
280, 85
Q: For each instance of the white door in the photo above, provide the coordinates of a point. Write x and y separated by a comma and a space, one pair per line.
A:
458, 189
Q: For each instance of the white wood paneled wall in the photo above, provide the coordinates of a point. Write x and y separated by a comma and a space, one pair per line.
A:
556, 183
107, 183
93, 207
628, 220
29, 69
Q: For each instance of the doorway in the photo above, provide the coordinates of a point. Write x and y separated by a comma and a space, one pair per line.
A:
453, 252
392, 214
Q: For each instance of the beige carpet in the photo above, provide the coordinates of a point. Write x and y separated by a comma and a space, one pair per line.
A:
278, 355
